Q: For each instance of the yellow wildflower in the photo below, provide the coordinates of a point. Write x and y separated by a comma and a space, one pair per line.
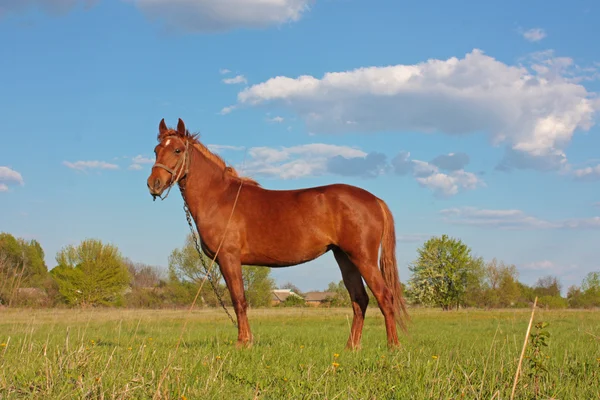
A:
2, 344
217, 357
335, 365
336, 355
434, 357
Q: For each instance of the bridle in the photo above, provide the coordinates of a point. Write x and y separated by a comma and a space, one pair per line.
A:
183, 164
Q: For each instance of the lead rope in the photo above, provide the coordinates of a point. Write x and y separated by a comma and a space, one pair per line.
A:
197, 245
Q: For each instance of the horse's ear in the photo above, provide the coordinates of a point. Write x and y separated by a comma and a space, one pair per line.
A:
181, 127
162, 127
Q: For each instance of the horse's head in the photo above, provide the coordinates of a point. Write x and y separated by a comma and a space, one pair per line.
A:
172, 158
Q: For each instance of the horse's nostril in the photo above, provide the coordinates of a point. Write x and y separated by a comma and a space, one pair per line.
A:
157, 184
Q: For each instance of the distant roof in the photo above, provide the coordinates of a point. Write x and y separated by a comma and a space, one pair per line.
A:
282, 294
318, 296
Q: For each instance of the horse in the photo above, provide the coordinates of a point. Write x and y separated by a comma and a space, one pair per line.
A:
243, 223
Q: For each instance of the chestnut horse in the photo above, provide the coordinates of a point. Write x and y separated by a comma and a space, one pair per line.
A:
280, 228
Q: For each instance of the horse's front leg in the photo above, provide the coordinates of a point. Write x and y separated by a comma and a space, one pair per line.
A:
231, 268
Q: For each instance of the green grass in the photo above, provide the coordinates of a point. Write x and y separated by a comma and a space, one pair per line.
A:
65, 354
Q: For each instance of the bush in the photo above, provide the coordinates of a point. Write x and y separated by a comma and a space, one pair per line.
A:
293, 301
552, 302
145, 298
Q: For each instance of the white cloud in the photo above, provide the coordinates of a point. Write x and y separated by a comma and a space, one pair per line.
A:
539, 265
296, 161
534, 34
317, 159
85, 165
224, 71
428, 175
235, 80
138, 160
446, 185
223, 15
226, 110
548, 267
551, 67
532, 112
512, 219
582, 223
53, 7
276, 119
9, 176
217, 148
587, 173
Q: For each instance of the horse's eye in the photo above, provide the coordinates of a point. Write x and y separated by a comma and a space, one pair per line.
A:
177, 151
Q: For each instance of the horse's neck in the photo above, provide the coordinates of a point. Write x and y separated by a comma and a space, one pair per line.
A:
204, 185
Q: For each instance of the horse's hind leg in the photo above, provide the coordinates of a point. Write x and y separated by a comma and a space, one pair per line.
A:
368, 268
358, 295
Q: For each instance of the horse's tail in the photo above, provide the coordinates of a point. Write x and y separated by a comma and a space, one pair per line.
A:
389, 268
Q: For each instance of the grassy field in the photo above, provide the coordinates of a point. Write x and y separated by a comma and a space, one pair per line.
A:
297, 354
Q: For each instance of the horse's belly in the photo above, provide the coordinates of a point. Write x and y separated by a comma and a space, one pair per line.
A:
282, 253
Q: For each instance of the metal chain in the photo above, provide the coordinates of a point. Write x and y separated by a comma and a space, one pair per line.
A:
197, 245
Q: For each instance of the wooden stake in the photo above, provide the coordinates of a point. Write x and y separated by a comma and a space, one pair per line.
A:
512, 395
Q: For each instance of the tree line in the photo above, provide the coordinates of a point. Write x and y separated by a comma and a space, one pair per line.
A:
93, 273
445, 274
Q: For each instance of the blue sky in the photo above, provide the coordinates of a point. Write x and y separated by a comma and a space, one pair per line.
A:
474, 119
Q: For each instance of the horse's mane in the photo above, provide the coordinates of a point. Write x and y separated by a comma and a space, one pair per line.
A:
215, 158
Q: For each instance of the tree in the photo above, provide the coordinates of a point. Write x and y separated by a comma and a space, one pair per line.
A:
591, 283
91, 273
258, 285
142, 275
187, 269
186, 265
21, 265
341, 296
547, 289
588, 295
501, 285
442, 272
548, 286
147, 287
293, 288
26, 259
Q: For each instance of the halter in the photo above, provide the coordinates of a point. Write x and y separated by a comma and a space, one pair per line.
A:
182, 164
